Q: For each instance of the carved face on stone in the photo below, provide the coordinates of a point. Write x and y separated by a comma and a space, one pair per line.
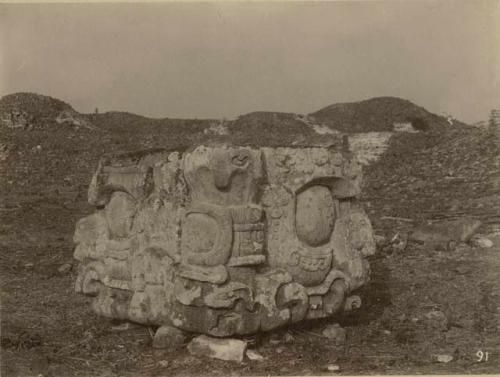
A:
226, 176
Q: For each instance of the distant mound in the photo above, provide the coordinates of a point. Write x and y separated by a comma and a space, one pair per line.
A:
35, 111
119, 121
378, 114
275, 128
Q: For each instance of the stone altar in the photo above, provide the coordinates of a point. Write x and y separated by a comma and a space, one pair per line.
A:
225, 240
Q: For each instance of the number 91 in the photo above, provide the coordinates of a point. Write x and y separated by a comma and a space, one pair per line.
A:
482, 356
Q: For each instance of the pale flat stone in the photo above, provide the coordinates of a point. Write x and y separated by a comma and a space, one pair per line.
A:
333, 368
482, 242
223, 349
444, 358
254, 355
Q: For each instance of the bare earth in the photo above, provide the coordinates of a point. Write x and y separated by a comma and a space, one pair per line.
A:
420, 303
47, 329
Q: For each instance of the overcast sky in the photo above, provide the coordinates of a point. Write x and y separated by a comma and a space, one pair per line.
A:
214, 60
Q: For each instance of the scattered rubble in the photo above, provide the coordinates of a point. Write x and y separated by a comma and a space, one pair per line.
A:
369, 146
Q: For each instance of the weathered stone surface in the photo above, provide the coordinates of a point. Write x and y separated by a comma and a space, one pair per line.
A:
224, 240
223, 349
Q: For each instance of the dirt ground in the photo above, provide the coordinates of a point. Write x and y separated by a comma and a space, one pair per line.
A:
420, 304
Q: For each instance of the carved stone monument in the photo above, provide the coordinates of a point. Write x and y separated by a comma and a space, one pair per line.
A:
225, 240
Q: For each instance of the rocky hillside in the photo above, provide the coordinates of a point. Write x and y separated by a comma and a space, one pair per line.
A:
378, 114
29, 110
116, 121
33, 111
437, 175
441, 171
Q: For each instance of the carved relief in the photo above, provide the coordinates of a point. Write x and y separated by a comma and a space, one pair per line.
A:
315, 215
224, 240
206, 235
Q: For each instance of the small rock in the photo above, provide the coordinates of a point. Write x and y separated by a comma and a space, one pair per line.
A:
332, 368
168, 337
435, 314
254, 355
444, 358
379, 240
65, 268
163, 363
494, 237
275, 339
482, 242
122, 327
288, 338
335, 333
437, 318
279, 350
399, 242
223, 349
387, 332
29, 266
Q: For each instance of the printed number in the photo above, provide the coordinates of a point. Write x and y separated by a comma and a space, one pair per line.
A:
482, 356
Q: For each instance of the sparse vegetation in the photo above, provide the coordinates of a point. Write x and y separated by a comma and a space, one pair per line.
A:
47, 329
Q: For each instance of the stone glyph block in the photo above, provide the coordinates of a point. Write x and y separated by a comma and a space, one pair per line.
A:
225, 240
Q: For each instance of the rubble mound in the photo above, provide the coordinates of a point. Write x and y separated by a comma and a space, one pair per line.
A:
274, 128
120, 121
30, 111
378, 114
